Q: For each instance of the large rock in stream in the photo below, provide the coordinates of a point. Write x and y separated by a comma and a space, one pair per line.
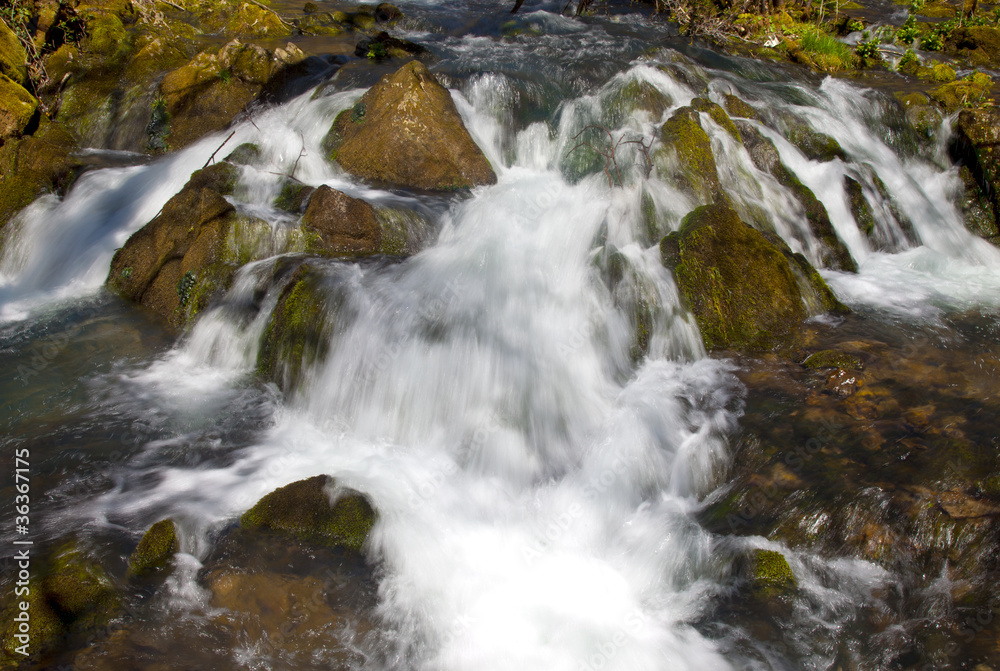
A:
747, 290
976, 147
406, 131
162, 265
315, 510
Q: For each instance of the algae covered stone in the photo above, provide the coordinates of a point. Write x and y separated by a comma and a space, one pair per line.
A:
296, 335
685, 156
304, 510
13, 58
18, 108
830, 358
406, 131
79, 589
746, 292
157, 546
770, 572
160, 263
46, 629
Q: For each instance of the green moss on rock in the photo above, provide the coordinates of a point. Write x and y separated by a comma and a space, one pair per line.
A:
156, 548
247, 153
303, 509
770, 572
815, 145
12, 56
18, 109
633, 96
717, 114
830, 358
293, 196
713, 255
685, 156
79, 589
46, 630
296, 335
739, 108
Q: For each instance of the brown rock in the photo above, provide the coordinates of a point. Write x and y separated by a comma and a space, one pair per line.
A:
347, 226
407, 131
186, 237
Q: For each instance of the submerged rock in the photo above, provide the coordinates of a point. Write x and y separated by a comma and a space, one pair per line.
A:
157, 546
304, 510
406, 131
746, 291
830, 358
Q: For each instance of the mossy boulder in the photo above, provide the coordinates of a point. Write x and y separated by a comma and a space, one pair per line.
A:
834, 253
979, 44
815, 145
247, 153
157, 546
406, 131
79, 588
717, 114
18, 109
251, 20
963, 93
35, 165
685, 156
976, 145
746, 290
737, 107
831, 358
293, 197
160, 264
305, 510
205, 94
633, 96
769, 574
45, 629
13, 58
297, 335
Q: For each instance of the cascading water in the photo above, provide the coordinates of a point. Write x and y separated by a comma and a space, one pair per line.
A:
537, 478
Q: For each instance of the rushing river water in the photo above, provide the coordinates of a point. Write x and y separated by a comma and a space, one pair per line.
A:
539, 485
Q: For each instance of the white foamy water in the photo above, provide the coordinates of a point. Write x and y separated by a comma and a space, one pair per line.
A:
536, 482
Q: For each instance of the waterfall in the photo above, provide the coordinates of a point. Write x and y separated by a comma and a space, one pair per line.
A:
537, 477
